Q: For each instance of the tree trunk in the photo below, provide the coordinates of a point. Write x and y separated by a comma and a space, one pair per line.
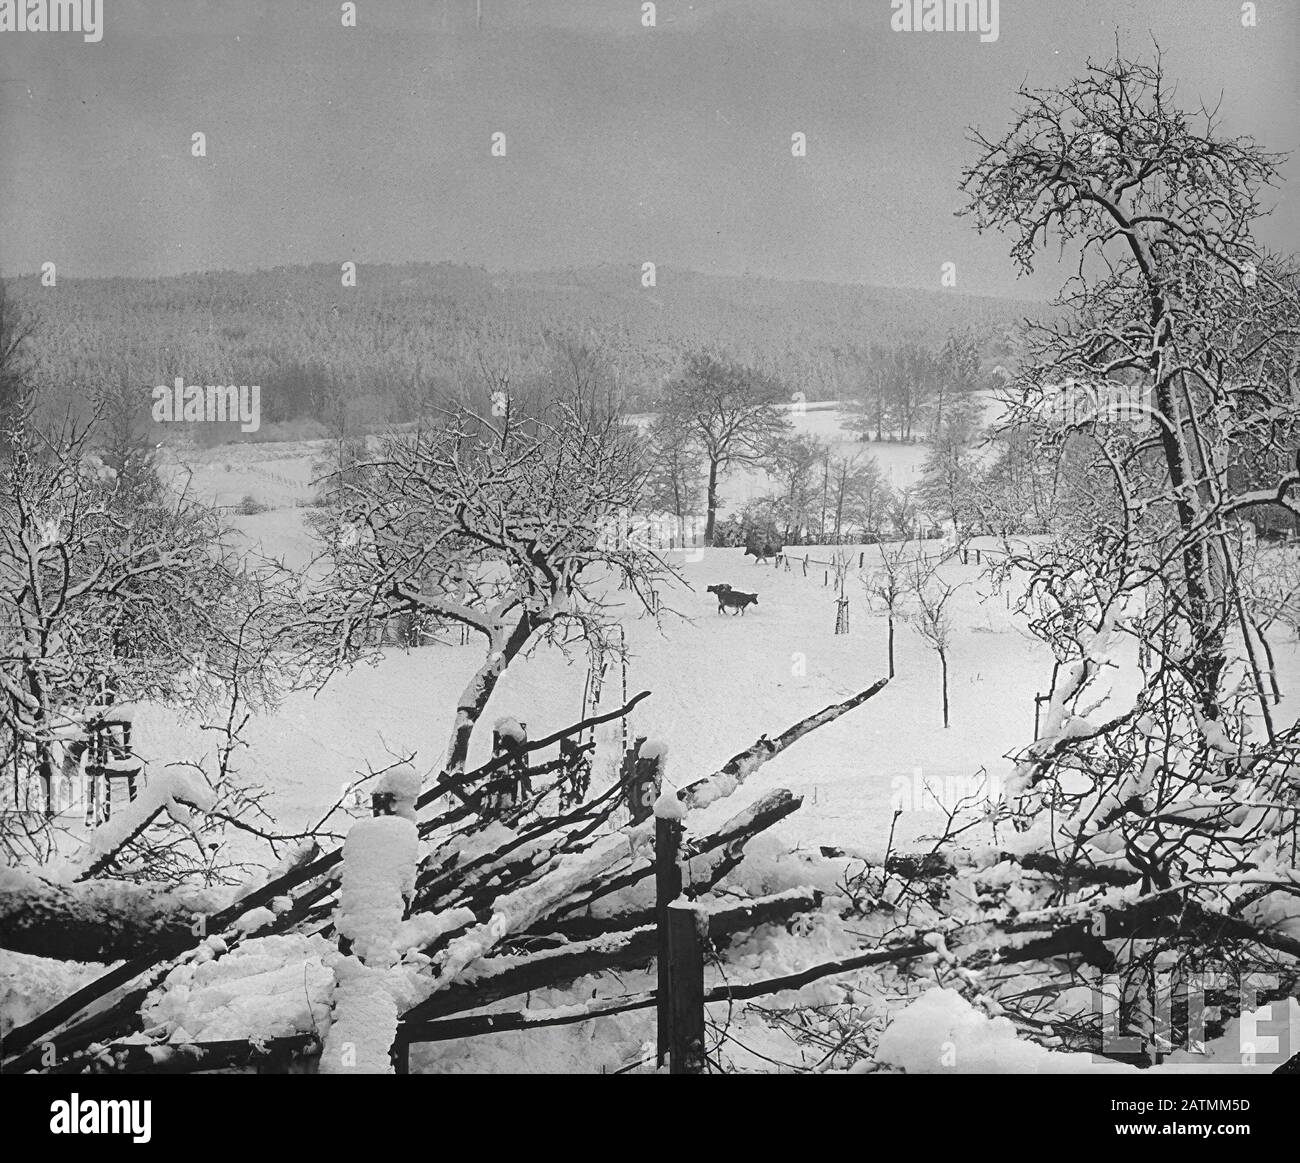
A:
97, 920
478, 691
943, 666
1272, 666
713, 502
826, 481
891, 643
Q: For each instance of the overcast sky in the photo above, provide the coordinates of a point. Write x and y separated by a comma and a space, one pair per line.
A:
624, 144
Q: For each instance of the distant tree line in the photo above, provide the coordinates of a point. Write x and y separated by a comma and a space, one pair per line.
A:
406, 340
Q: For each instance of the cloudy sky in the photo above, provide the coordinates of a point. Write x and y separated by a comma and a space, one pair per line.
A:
624, 144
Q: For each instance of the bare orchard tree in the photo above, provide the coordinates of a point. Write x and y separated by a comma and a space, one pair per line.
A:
1171, 364
888, 587
521, 531
931, 618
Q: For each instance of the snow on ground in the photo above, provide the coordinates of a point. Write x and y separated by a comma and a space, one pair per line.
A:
29, 985
718, 683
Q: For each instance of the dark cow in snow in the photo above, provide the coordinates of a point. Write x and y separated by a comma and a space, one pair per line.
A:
761, 548
732, 600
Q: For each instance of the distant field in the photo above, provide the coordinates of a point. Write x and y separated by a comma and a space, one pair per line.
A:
279, 477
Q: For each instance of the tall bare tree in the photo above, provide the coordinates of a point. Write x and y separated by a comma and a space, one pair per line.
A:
734, 413
1172, 362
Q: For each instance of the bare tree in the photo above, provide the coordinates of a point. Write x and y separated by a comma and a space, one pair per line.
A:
509, 527
676, 475
931, 619
733, 412
106, 599
1166, 386
887, 588
794, 462
857, 492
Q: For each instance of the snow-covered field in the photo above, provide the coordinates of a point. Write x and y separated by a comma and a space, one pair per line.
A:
718, 682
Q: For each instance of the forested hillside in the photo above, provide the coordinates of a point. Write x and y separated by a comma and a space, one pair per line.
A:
407, 336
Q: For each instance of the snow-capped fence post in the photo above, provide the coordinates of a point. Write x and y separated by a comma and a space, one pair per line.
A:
642, 777
376, 887
507, 786
688, 927
668, 887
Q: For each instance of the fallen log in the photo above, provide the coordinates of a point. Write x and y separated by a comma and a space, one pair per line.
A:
191, 1057
738, 768
95, 920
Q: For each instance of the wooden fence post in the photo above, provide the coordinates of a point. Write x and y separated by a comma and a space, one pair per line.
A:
508, 785
629, 776
1039, 700
687, 926
668, 886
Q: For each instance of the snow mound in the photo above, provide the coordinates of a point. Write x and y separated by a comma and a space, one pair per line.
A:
269, 987
942, 1033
